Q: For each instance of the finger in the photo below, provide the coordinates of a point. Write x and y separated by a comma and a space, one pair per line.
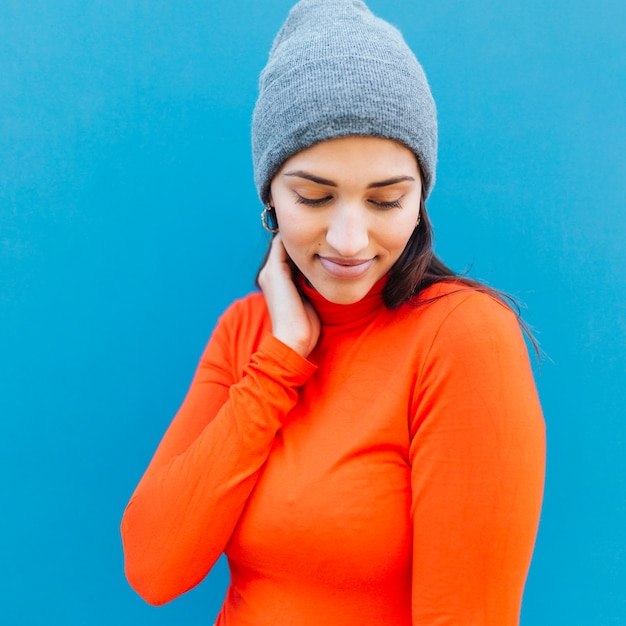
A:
279, 248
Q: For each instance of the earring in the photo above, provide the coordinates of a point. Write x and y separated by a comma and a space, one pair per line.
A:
419, 219
268, 219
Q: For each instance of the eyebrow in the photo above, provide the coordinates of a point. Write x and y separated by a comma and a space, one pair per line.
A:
330, 183
391, 181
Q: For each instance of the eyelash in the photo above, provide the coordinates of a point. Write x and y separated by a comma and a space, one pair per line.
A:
309, 202
395, 204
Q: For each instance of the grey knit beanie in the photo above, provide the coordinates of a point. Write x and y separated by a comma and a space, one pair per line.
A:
334, 70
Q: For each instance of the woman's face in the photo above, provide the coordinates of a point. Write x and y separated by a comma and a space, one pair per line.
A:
346, 208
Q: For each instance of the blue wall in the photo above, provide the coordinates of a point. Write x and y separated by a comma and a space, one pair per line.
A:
129, 221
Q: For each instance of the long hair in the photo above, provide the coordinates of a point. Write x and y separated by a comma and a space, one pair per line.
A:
418, 267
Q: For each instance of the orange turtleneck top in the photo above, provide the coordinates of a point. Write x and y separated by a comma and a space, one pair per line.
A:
392, 478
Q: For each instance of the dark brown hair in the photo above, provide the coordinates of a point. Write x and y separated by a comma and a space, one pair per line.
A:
418, 267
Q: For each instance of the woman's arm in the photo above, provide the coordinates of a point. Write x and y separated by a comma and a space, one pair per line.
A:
478, 457
186, 506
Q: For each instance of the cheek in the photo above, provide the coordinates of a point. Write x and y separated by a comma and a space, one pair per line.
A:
296, 241
298, 229
395, 236
300, 248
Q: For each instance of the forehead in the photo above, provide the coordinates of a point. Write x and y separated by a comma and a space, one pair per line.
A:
355, 156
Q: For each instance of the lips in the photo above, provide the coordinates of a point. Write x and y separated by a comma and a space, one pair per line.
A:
345, 268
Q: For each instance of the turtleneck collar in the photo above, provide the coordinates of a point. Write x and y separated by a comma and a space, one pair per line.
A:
332, 314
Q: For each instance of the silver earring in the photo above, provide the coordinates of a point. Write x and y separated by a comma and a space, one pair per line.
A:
419, 219
268, 219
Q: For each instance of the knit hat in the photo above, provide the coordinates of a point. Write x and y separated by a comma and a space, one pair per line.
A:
334, 70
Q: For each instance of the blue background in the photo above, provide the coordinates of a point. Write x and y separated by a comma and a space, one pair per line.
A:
129, 221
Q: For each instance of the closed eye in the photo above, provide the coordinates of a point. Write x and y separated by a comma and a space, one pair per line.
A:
393, 204
312, 201
380, 204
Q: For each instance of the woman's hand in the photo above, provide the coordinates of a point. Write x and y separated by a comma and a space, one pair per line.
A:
294, 321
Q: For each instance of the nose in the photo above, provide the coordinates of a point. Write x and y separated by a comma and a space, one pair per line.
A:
347, 230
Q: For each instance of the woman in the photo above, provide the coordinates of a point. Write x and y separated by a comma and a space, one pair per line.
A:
363, 438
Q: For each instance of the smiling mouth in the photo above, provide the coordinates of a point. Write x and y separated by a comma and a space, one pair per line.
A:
345, 268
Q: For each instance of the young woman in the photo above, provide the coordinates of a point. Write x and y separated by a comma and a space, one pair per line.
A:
362, 438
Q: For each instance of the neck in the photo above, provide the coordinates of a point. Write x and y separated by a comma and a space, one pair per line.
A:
332, 314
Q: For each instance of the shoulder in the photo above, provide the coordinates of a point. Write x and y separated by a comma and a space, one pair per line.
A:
242, 326
251, 309
461, 303
456, 316
474, 351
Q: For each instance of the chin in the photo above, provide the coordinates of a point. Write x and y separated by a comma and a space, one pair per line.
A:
343, 293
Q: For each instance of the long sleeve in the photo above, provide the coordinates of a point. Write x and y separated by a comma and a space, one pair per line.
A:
477, 469
187, 504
